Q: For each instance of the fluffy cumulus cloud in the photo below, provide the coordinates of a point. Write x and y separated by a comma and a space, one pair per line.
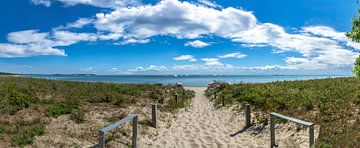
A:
185, 58
197, 44
322, 46
32, 42
174, 18
233, 55
318, 47
212, 62
29, 43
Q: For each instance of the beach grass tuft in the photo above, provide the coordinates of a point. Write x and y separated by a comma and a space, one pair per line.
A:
43, 99
333, 104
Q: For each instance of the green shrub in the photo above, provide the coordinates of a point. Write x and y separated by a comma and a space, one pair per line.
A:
124, 100
20, 100
55, 110
78, 116
331, 103
71, 103
27, 137
58, 109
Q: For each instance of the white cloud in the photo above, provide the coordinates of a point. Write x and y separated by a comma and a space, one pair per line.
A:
109, 36
197, 44
329, 32
294, 60
29, 43
27, 36
322, 51
212, 62
182, 20
135, 41
27, 50
209, 3
233, 55
146, 69
96, 3
318, 46
207, 69
46, 3
66, 38
80, 23
268, 67
88, 69
115, 70
185, 57
32, 42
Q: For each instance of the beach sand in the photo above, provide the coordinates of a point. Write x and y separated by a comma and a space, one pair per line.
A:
201, 125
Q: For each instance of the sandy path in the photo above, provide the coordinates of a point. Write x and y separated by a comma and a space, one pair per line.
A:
202, 126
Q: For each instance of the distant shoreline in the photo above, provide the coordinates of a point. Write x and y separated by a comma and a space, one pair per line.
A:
188, 81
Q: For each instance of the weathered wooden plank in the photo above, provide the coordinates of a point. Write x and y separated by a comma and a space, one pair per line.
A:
247, 112
103, 131
272, 131
101, 139
118, 123
134, 136
292, 119
311, 136
154, 112
272, 128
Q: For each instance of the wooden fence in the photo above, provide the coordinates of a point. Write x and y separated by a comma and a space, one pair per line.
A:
103, 131
272, 128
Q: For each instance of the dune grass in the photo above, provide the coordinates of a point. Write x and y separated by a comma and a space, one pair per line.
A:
331, 103
55, 98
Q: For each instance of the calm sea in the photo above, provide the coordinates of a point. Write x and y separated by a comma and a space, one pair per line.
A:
187, 80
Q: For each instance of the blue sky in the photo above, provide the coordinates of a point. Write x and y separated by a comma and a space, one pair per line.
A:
177, 37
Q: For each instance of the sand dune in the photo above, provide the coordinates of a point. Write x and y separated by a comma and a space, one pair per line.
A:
202, 125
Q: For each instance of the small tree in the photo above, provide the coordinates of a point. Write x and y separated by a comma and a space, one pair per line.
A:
354, 35
356, 69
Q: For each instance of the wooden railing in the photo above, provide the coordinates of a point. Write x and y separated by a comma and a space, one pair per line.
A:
102, 132
272, 128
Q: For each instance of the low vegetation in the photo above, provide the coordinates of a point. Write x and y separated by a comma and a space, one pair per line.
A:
331, 103
22, 131
51, 99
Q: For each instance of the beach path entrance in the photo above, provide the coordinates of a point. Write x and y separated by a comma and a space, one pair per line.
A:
201, 125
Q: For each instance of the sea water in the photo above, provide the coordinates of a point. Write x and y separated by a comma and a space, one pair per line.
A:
186, 80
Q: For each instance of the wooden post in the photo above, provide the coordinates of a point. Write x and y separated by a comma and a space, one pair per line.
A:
103, 131
223, 99
311, 135
101, 139
247, 115
154, 110
176, 98
272, 131
183, 93
134, 136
